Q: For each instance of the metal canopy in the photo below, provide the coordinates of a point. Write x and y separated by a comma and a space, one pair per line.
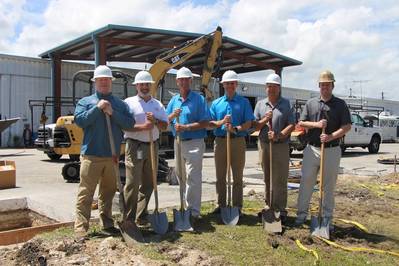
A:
136, 44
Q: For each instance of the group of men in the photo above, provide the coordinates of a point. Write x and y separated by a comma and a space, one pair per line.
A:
139, 120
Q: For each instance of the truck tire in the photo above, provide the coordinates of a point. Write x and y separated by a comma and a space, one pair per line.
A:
74, 157
71, 172
374, 145
343, 148
54, 156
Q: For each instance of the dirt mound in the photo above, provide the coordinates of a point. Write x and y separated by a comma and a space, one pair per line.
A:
185, 256
31, 253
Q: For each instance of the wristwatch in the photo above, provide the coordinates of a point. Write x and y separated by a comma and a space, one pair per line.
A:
235, 130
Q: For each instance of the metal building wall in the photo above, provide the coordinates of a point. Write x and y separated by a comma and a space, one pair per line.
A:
23, 78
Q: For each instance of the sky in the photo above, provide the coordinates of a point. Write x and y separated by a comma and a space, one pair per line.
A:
357, 40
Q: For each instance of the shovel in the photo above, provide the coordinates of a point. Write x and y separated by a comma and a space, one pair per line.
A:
158, 220
270, 218
182, 216
230, 214
318, 225
130, 233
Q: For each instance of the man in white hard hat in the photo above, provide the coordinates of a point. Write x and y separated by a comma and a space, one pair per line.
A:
97, 163
193, 112
150, 115
232, 113
278, 112
332, 114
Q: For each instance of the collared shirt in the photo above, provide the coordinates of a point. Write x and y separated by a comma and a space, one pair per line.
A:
194, 109
238, 107
139, 107
335, 111
92, 120
283, 115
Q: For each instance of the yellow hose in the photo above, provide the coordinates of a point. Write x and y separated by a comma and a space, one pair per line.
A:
314, 252
359, 249
358, 225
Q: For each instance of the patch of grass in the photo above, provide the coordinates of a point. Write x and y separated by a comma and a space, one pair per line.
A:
59, 233
248, 244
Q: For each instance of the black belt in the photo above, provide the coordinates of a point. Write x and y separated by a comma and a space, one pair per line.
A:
141, 142
231, 136
185, 139
326, 145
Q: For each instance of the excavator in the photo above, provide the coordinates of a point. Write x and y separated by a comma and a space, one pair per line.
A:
67, 136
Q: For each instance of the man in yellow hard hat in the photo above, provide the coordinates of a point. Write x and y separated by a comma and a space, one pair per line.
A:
331, 114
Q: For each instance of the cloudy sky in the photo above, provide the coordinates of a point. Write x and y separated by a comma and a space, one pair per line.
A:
355, 39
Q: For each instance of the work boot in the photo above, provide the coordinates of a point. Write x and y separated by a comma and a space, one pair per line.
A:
283, 218
216, 210
80, 235
111, 231
195, 219
142, 221
300, 220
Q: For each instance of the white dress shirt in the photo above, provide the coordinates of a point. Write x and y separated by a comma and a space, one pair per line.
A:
139, 107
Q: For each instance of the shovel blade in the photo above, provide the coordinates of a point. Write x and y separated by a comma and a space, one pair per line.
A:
181, 219
320, 229
159, 222
131, 233
230, 215
271, 221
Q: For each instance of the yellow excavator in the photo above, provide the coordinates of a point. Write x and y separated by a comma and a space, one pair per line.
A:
65, 137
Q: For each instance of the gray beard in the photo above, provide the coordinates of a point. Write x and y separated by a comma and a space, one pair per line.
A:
143, 94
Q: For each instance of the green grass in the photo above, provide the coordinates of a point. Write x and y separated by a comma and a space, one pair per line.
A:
248, 244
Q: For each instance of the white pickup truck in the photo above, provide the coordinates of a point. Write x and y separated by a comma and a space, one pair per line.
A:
362, 134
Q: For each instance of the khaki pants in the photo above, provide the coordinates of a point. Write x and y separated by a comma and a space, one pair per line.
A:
138, 187
238, 146
95, 170
192, 155
310, 170
280, 160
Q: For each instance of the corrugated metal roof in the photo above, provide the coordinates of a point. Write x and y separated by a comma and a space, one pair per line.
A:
147, 43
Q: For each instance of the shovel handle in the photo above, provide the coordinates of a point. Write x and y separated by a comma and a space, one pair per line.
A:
271, 168
228, 165
321, 191
153, 162
116, 166
153, 169
180, 166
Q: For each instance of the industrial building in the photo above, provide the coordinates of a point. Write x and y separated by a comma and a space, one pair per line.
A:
25, 78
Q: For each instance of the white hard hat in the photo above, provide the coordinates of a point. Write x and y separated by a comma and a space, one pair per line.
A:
229, 76
184, 72
273, 79
102, 71
143, 77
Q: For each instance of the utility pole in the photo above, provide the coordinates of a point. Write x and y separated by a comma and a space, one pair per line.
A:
361, 87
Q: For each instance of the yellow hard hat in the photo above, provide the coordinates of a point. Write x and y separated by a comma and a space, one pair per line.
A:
326, 76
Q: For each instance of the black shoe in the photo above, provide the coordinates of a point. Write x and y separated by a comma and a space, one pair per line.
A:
216, 210
283, 219
195, 219
111, 231
143, 221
